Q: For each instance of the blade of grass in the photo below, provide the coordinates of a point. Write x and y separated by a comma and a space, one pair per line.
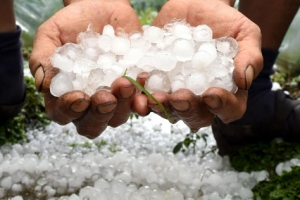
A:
149, 95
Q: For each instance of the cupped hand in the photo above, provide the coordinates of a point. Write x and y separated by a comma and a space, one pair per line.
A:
224, 20
90, 114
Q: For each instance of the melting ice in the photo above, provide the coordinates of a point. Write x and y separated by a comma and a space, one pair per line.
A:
176, 50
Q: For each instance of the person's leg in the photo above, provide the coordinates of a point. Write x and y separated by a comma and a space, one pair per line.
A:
269, 114
12, 87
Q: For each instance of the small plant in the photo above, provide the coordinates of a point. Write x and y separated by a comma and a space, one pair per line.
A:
113, 148
131, 116
87, 144
73, 145
101, 143
190, 139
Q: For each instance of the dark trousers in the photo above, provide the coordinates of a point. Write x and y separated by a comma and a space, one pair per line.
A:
12, 87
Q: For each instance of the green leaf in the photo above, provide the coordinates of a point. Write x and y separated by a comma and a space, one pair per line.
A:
178, 147
187, 142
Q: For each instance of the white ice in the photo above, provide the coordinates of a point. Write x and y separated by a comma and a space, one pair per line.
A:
105, 43
61, 84
108, 30
227, 46
182, 30
164, 61
183, 50
202, 33
153, 34
62, 62
177, 45
157, 81
120, 45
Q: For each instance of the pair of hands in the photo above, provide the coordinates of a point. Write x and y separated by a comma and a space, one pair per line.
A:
92, 114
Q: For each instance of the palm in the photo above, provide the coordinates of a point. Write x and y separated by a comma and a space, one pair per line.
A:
77, 107
196, 111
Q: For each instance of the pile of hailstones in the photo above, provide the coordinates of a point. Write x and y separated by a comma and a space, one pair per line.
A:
175, 56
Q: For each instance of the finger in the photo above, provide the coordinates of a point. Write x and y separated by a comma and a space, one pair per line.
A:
94, 122
248, 64
226, 105
40, 64
191, 109
66, 108
124, 91
40, 55
163, 98
43, 77
141, 78
140, 105
170, 11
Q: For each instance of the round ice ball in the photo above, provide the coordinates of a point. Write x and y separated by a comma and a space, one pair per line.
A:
61, 84
157, 81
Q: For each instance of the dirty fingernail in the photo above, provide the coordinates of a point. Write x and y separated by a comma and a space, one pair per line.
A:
39, 77
194, 130
180, 105
142, 78
107, 107
127, 91
213, 101
80, 105
249, 74
154, 107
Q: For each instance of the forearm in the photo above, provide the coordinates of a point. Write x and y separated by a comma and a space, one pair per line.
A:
7, 16
273, 18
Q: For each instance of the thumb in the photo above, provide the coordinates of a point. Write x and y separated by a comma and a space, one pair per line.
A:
45, 42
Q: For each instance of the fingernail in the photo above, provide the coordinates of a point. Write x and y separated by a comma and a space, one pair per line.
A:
194, 130
126, 91
39, 77
107, 107
212, 100
80, 105
180, 105
154, 107
141, 78
249, 74
105, 88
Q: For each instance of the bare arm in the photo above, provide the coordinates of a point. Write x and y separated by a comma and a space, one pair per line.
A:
273, 18
7, 16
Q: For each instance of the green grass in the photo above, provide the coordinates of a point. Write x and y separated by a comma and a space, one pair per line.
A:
266, 156
284, 187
